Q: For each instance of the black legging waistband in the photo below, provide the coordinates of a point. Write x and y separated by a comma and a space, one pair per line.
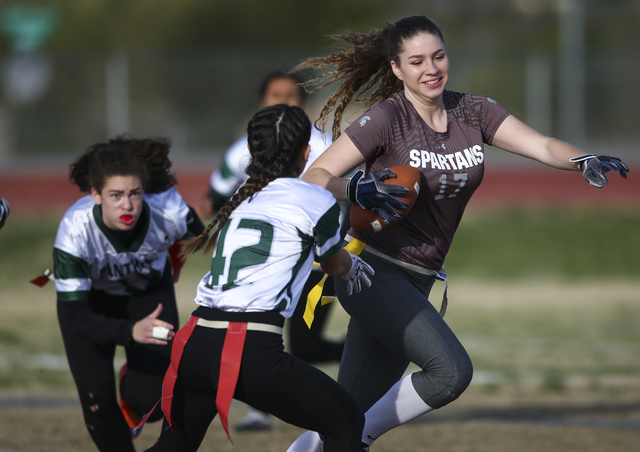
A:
269, 318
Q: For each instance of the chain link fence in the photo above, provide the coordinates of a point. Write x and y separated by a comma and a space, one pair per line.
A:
54, 106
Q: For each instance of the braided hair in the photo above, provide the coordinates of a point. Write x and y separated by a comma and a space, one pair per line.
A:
276, 135
364, 71
154, 152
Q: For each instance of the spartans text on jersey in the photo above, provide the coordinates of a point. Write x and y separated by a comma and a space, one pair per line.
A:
467, 158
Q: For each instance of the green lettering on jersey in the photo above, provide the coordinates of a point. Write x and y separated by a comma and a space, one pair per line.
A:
243, 257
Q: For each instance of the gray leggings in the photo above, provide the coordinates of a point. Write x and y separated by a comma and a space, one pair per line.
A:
393, 324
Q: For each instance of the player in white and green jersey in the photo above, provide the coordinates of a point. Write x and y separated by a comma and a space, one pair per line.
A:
114, 283
266, 249
266, 239
89, 255
307, 343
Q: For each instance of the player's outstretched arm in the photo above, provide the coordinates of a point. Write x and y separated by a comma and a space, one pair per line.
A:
595, 167
515, 136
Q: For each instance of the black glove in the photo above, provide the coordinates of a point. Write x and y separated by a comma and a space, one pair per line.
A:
371, 193
594, 168
4, 211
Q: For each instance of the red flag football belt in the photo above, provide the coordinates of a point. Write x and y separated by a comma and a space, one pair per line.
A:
229, 364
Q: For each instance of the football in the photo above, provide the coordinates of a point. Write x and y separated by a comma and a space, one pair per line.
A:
363, 220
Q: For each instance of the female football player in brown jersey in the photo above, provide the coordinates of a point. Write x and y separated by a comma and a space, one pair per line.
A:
400, 73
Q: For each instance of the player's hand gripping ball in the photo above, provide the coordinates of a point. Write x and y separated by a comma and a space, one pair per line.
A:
364, 220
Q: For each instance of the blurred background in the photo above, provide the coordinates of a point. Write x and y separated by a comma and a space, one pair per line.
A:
77, 72
544, 268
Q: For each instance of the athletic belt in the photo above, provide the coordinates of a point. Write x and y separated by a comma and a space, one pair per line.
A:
229, 362
251, 326
356, 246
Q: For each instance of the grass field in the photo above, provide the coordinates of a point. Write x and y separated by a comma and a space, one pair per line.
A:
546, 302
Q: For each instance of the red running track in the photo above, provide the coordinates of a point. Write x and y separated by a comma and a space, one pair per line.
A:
46, 192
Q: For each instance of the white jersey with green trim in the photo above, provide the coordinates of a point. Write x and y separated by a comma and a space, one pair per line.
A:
231, 174
265, 251
87, 255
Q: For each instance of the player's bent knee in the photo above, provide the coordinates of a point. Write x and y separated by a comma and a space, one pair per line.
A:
441, 388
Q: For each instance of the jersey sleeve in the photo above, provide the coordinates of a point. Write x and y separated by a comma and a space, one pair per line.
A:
327, 233
370, 132
78, 319
491, 115
175, 211
72, 276
71, 268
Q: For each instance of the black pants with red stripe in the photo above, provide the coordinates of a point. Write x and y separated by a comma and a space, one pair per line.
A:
270, 380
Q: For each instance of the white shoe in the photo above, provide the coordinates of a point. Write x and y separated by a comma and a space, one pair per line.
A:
254, 420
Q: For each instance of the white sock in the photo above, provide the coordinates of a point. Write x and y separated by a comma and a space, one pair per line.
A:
399, 405
307, 442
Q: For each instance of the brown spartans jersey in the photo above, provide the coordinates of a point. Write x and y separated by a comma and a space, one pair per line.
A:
452, 166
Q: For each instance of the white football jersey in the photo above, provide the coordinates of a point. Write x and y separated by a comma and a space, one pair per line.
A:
87, 255
231, 174
265, 251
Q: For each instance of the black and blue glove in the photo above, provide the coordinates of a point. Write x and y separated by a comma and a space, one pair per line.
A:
594, 168
371, 193
4, 211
